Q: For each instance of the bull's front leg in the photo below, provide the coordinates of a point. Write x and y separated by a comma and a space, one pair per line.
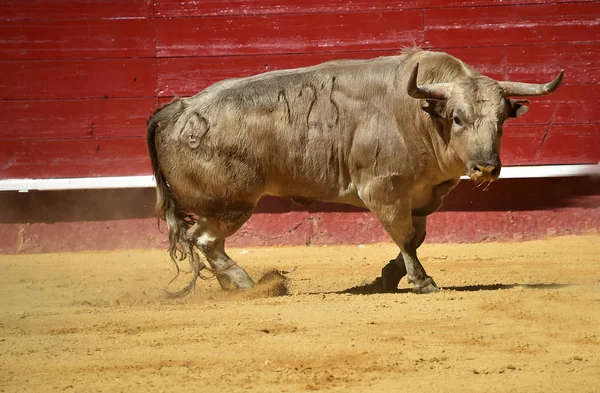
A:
392, 273
397, 219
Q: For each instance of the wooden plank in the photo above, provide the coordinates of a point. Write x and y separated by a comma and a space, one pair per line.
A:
73, 158
542, 63
272, 34
520, 144
509, 25
566, 144
75, 39
74, 9
96, 118
52, 79
482, 3
187, 76
189, 8
551, 144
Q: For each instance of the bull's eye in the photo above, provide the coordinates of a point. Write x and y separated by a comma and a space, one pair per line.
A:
457, 121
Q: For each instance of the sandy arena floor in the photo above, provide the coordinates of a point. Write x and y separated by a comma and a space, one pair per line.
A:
511, 318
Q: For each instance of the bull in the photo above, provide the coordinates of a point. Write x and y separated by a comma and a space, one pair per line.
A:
391, 134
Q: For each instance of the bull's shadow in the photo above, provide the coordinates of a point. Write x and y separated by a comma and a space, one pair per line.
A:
376, 288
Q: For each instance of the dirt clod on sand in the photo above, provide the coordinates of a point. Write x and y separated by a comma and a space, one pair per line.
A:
271, 284
515, 317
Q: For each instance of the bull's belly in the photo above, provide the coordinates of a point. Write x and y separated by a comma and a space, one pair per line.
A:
307, 192
425, 199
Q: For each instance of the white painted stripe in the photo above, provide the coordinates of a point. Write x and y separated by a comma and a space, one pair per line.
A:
77, 183
24, 185
521, 172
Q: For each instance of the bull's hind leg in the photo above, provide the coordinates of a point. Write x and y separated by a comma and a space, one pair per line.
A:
228, 273
210, 237
393, 272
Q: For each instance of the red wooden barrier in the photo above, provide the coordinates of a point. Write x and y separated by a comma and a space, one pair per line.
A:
176, 8
75, 39
75, 119
78, 79
74, 9
292, 33
69, 157
509, 25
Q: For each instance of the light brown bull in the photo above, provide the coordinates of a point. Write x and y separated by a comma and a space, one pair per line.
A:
392, 134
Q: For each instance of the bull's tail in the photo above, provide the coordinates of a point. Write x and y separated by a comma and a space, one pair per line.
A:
167, 208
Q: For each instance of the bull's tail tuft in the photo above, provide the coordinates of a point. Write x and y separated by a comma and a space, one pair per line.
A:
179, 222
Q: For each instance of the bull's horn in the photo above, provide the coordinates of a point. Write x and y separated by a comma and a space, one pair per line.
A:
436, 91
515, 89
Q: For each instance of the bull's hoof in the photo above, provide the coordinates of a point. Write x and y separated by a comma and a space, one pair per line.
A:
425, 286
431, 288
245, 285
235, 283
232, 287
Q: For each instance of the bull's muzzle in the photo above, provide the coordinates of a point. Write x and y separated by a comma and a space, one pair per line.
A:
484, 172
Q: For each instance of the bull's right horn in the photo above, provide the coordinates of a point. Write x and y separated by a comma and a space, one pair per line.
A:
436, 91
519, 89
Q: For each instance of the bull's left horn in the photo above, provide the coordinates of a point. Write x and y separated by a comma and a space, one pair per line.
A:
515, 89
436, 91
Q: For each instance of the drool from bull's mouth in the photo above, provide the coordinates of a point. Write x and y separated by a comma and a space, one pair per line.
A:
392, 134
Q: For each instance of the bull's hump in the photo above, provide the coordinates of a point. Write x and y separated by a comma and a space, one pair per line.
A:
319, 73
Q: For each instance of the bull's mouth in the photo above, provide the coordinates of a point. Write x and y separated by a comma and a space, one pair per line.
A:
479, 178
483, 173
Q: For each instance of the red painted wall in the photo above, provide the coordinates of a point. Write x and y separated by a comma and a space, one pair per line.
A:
78, 78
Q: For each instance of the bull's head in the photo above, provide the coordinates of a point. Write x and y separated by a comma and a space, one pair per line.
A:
472, 111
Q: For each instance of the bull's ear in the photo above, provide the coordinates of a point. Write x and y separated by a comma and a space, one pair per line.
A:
435, 108
517, 108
